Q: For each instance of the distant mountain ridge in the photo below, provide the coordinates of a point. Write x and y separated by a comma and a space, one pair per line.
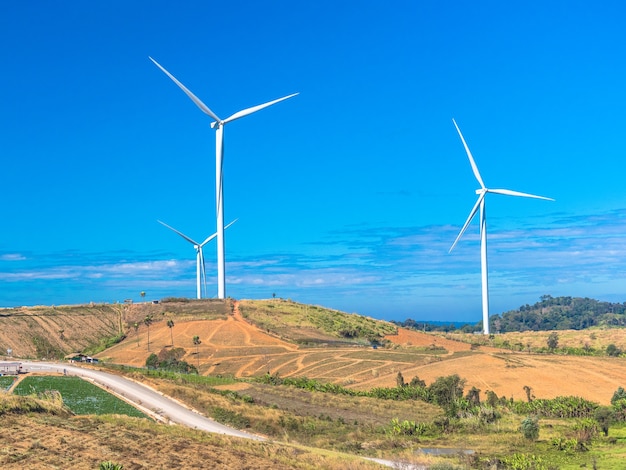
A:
550, 313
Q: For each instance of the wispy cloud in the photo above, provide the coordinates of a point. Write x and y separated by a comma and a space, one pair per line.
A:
357, 267
12, 257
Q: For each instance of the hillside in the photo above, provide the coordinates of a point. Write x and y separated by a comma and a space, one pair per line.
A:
251, 338
233, 345
52, 332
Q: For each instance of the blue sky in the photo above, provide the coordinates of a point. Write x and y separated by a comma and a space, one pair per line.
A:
348, 195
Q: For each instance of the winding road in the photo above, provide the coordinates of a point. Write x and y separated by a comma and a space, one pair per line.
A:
147, 399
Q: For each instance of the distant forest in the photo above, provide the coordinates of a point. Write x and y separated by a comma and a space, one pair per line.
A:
550, 313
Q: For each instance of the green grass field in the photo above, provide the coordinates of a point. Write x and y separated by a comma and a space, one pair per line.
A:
82, 397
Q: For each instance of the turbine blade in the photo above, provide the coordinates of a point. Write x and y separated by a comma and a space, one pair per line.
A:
203, 107
254, 109
208, 239
471, 159
203, 270
211, 237
508, 192
226, 226
467, 222
179, 233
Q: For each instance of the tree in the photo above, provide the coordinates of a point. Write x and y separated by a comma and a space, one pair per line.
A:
473, 396
136, 327
553, 341
170, 325
530, 428
197, 342
400, 380
620, 394
445, 390
148, 321
529, 393
152, 362
417, 382
612, 350
604, 415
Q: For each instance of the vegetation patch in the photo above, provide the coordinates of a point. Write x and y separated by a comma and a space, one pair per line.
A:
104, 343
50, 403
289, 318
6, 381
80, 396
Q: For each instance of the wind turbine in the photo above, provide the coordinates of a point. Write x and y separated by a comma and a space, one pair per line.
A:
482, 192
200, 268
218, 125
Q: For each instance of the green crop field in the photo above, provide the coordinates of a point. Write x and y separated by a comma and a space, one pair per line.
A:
82, 397
6, 381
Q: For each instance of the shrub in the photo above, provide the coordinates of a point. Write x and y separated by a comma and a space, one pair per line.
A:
407, 428
488, 415
585, 430
612, 350
604, 415
525, 462
553, 341
620, 394
169, 359
108, 465
530, 428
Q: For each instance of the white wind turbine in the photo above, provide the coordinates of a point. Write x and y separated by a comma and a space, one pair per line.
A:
482, 192
200, 268
218, 125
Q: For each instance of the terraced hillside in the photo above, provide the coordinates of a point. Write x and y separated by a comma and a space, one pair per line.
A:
256, 339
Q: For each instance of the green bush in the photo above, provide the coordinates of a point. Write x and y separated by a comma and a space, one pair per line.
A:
407, 428
530, 428
108, 465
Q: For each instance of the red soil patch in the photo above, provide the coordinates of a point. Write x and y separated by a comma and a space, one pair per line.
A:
417, 339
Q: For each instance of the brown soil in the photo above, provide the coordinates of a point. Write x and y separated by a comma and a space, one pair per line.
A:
232, 346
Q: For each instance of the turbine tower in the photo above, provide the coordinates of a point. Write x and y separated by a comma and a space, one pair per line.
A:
480, 203
218, 125
200, 268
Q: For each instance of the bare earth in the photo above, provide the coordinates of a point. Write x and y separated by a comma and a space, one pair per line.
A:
232, 346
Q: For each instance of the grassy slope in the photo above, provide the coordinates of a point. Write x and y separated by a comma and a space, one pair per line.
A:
37, 332
50, 438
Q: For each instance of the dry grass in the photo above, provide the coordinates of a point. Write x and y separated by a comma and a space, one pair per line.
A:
44, 442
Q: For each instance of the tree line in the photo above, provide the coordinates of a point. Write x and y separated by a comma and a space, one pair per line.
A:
550, 313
